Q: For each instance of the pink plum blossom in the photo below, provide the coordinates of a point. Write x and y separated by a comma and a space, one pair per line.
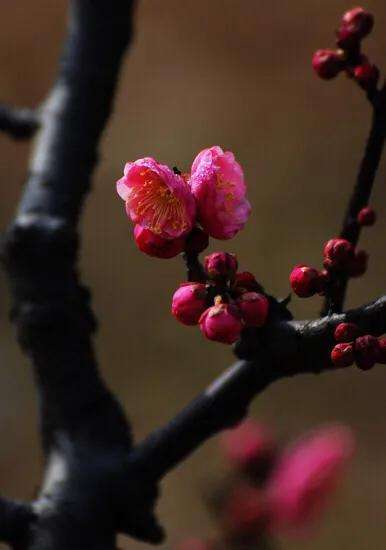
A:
217, 182
157, 198
305, 477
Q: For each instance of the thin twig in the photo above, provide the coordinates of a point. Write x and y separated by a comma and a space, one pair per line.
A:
18, 123
361, 194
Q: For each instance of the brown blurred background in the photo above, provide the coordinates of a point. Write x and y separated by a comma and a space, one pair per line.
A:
234, 73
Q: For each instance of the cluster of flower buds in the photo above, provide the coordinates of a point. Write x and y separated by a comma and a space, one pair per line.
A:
339, 257
226, 303
352, 347
274, 490
356, 24
175, 212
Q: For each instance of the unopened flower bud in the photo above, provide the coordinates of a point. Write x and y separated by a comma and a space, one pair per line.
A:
156, 246
189, 302
367, 75
327, 63
346, 332
359, 20
322, 282
221, 265
221, 322
346, 38
342, 355
358, 265
338, 253
382, 350
366, 349
303, 280
367, 216
246, 281
254, 308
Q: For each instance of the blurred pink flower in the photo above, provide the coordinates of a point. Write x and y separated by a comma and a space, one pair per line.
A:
248, 444
157, 198
217, 182
306, 476
245, 513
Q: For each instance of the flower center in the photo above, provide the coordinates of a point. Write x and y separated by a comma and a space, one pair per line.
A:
153, 201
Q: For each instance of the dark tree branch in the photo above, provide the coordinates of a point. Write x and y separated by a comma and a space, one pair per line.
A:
15, 520
284, 348
361, 193
95, 483
87, 491
18, 123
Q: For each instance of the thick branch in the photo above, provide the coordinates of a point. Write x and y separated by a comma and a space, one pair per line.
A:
86, 490
15, 520
282, 349
18, 123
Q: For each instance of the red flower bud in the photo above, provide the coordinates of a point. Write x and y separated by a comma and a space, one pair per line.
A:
367, 75
303, 280
382, 350
246, 281
342, 355
338, 253
156, 246
367, 216
358, 265
254, 308
359, 21
221, 322
346, 332
322, 282
346, 38
221, 265
196, 241
189, 302
366, 349
327, 63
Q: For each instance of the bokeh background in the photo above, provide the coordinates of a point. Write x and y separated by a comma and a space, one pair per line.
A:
234, 73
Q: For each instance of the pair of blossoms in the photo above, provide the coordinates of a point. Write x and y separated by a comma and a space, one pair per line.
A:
273, 490
356, 24
174, 213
